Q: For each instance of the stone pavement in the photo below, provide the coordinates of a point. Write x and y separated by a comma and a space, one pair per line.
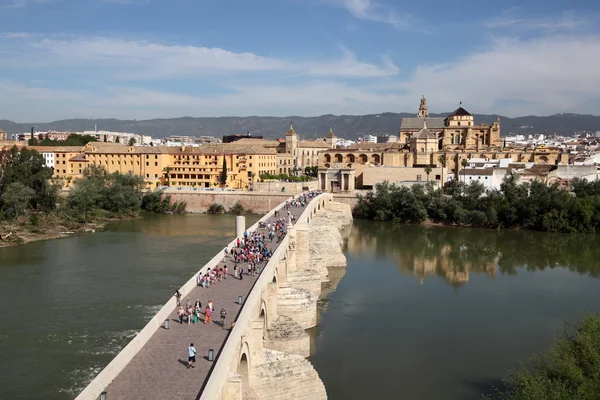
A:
159, 370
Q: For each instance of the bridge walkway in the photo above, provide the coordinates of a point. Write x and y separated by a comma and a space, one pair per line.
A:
159, 369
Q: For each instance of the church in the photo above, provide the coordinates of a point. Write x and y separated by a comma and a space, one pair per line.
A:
455, 132
429, 148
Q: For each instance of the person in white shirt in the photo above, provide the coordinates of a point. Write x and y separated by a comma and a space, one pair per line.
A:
191, 356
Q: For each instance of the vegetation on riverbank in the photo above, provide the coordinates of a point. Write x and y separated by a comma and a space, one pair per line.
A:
32, 209
532, 206
286, 178
236, 209
569, 369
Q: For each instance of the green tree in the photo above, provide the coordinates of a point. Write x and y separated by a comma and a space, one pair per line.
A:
132, 142
16, 199
569, 369
32, 142
118, 140
167, 173
29, 168
224, 172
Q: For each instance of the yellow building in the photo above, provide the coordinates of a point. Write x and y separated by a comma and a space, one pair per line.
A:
161, 165
3, 135
294, 155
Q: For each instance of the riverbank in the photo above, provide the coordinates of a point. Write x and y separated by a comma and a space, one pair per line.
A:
47, 226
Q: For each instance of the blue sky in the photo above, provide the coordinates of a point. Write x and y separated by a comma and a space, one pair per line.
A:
157, 58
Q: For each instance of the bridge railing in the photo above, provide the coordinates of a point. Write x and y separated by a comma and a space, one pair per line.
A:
114, 368
220, 373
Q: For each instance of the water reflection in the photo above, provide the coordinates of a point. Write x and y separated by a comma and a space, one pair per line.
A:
455, 253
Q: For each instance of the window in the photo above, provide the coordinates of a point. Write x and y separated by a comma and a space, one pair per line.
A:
437, 177
418, 178
147, 163
156, 164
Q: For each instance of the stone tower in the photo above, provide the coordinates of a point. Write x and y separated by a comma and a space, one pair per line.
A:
291, 142
423, 113
331, 139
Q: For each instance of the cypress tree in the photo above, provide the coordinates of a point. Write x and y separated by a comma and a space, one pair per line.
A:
224, 172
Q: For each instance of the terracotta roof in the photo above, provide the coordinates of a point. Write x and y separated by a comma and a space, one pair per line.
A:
330, 134
57, 149
313, 144
477, 171
254, 141
79, 157
375, 146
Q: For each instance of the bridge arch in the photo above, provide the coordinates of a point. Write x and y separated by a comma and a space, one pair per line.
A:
263, 317
244, 370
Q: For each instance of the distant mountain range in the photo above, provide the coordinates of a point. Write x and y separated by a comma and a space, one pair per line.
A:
348, 126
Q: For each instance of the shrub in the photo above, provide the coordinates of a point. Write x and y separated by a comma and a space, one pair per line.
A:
569, 369
237, 209
216, 209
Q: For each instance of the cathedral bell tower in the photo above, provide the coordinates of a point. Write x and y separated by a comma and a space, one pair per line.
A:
423, 113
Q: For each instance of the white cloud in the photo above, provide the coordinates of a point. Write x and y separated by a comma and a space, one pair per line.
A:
145, 60
373, 11
546, 75
20, 3
510, 19
550, 74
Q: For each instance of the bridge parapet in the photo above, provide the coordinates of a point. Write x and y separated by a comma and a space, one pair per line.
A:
245, 350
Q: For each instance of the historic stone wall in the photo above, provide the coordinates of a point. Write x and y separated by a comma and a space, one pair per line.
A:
199, 202
290, 187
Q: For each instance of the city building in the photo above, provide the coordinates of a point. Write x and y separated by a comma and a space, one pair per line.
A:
163, 165
3, 135
435, 142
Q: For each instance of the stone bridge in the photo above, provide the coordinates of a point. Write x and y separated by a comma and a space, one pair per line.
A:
263, 354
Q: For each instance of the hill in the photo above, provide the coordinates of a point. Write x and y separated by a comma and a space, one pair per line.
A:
349, 126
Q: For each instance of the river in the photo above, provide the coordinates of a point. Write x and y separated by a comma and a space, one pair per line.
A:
69, 305
421, 313
441, 312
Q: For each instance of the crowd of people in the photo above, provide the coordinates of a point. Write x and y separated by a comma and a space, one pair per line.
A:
248, 254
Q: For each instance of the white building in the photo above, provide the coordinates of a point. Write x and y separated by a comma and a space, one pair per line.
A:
368, 139
48, 159
490, 178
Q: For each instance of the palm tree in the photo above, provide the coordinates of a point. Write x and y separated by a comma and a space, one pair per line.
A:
428, 170
166, 171
464, 164
443, 159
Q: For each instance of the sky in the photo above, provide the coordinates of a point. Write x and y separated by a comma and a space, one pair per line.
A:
140, 59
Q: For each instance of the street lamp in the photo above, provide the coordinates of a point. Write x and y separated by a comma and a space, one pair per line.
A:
211, 354
240, 300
